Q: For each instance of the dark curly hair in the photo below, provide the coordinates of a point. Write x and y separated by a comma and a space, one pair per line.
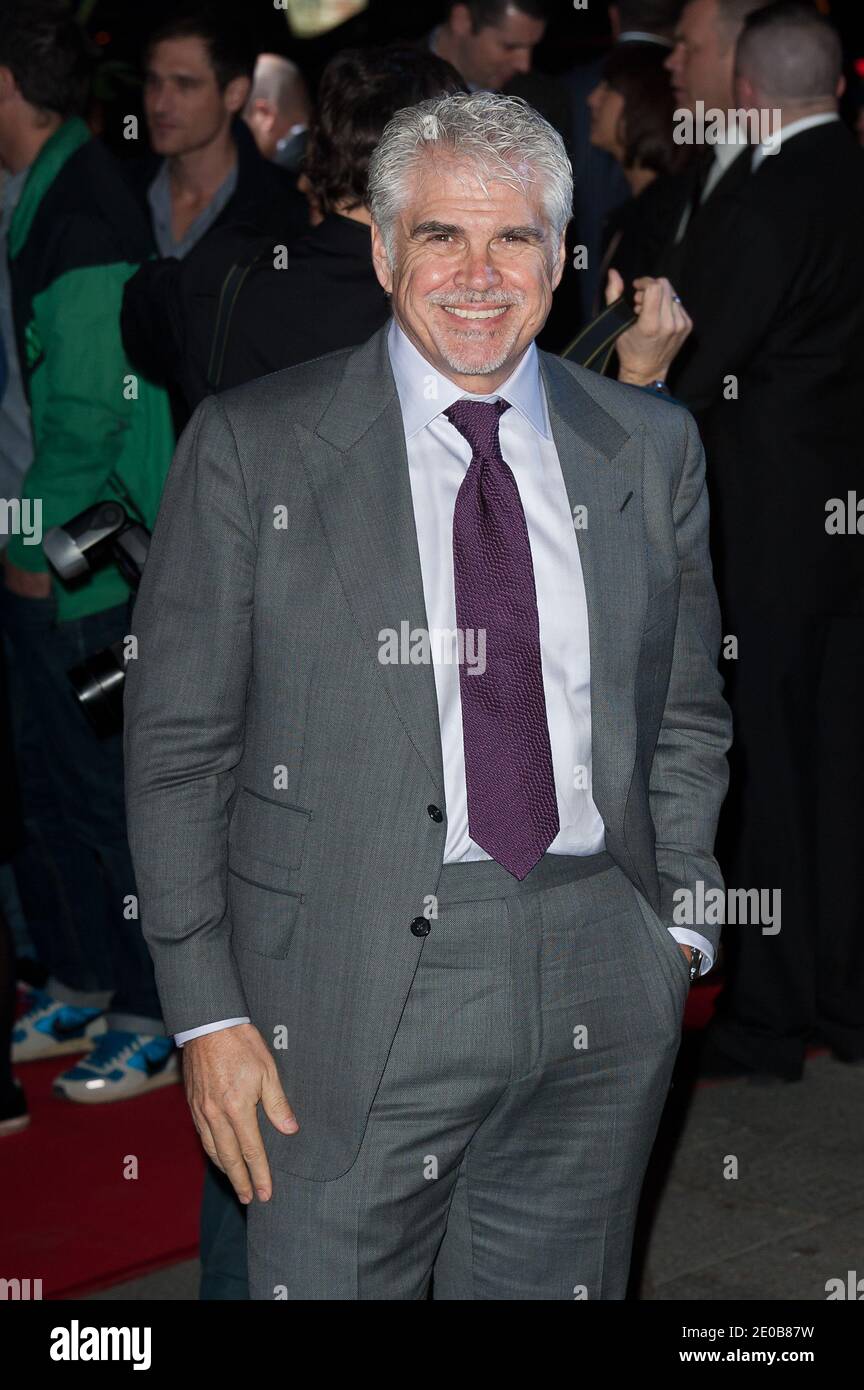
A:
360, 90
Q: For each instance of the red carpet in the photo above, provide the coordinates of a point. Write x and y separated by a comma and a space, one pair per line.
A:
70, 1217
74, 1221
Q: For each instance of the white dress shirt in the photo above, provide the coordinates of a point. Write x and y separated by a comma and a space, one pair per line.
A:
438, 459
725, 154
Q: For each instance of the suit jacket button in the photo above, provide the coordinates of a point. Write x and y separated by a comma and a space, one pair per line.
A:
421, 926
435, 813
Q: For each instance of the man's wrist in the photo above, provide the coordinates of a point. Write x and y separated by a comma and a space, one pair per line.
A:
653, 381
203, 1030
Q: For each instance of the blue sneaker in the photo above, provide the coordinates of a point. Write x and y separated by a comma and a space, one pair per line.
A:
50, 1028
121, 1065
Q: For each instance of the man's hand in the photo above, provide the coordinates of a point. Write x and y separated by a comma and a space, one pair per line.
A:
226, 1074
25, 582
647, 350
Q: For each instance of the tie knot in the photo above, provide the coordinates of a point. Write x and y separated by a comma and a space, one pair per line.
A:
477, 421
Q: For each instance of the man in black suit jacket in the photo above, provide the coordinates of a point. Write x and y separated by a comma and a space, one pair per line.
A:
702, 68
774, 370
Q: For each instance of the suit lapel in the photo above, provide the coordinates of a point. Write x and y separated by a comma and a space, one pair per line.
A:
602, 468
359, 474
358, 469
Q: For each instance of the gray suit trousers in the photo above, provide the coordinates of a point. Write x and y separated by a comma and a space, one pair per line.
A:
506, 1145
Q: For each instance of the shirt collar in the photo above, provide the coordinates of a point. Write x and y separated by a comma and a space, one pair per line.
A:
727, 151
787, 131
642, 36
159, 198
424, 392
11, 193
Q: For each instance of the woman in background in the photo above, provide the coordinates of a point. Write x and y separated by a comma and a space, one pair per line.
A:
632, 110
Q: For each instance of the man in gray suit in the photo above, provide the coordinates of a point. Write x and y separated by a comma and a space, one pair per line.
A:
425, 743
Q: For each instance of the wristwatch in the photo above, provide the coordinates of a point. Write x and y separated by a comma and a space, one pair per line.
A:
695, 963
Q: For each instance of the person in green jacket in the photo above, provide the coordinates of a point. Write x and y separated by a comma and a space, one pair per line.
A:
99, 432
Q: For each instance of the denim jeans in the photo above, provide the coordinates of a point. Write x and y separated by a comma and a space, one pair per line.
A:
74, 874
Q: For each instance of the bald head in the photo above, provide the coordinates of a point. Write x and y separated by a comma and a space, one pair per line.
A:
279, 99
791, 58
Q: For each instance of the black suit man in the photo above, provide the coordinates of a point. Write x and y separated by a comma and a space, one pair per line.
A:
774, 370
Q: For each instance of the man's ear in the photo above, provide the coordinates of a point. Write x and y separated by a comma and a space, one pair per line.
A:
459, 21
380, 261
746, 96
236, 94
7, 83
560, 261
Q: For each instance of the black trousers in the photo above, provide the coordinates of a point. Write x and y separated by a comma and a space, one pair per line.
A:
794, 821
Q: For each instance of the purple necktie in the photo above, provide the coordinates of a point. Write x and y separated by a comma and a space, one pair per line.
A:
512, 806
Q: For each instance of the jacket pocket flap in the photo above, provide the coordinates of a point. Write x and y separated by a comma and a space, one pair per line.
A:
266, 838
262, 919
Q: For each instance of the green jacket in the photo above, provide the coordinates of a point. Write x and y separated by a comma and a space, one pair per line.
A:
99, 430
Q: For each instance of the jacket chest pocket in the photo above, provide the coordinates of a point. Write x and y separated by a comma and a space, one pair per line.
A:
266, 839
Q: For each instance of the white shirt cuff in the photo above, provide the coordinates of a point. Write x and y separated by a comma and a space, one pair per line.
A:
181, 1038
685, 937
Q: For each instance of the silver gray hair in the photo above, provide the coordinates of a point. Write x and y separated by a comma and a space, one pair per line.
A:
502, 136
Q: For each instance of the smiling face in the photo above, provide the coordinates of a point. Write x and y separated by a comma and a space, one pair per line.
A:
475, 270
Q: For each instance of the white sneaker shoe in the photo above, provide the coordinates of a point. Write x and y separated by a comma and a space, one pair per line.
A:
50, 1028
121, 1065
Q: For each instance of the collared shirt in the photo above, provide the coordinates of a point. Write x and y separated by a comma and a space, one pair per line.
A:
438, 459
642, 36
767, 148
16, 439
159, 198
725, 154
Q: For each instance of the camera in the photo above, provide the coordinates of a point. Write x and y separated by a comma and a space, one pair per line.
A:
102, 533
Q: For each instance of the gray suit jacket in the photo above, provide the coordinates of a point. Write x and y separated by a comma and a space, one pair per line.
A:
278, 774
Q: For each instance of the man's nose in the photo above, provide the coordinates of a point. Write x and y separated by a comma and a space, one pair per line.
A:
522, 61
477, 271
